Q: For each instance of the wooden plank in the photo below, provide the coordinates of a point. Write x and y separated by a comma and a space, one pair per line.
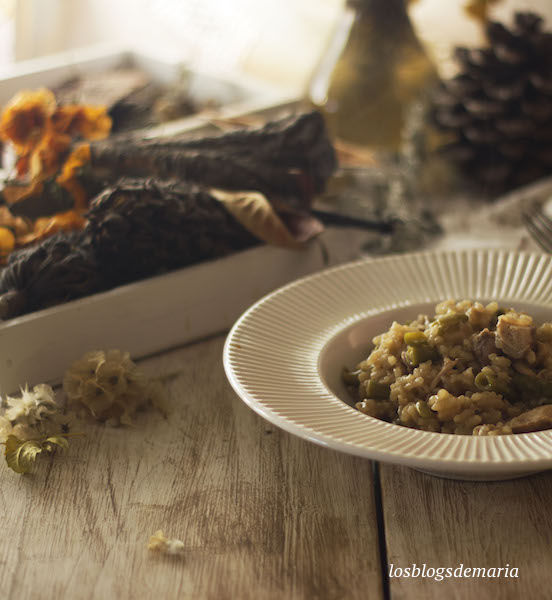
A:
262, 514
445, 523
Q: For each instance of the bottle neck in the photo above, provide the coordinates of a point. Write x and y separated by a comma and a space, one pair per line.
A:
379, 10
388, 17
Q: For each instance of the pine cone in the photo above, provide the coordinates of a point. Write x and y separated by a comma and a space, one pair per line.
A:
140, 227
60, 268
498, 109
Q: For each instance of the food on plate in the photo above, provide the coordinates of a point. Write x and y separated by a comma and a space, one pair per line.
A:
471, 369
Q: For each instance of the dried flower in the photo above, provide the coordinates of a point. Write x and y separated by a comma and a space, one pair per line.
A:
7, 243
14, 192
25, 118
42, 134
32, 423
46, 226
21, 455
158, 542
89, 122
109, 385
34, 414
46, 157
18, 225
68, 178
32, 406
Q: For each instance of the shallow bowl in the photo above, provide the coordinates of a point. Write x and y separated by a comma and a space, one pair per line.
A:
284, 356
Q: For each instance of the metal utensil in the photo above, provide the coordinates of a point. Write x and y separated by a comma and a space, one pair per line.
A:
539, 226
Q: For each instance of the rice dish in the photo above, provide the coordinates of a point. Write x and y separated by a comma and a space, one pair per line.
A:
471, 369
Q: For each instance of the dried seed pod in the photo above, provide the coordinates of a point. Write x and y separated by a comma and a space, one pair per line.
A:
58, 269
291, 158
142, 227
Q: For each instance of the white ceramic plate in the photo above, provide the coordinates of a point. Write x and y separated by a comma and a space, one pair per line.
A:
284, 355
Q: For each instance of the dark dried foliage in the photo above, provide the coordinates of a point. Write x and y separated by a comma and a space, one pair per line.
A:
141, 227
60, 268
290, 159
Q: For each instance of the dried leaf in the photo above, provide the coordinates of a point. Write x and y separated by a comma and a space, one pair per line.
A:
47, 226
21, 455
49, 444
257, 215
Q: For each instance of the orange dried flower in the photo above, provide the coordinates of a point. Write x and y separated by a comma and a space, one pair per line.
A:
23, 163
13, 193
25, 118
18, 225
7, 243
46, 157
42, 133
68, 178
90, 122
47, 226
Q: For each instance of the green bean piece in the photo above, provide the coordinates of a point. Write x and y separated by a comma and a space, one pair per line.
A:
490, 383
416, 355
415, 338
377, 390
451, 321
350, 377
423, 409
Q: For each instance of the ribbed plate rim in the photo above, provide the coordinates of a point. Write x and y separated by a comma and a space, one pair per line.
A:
380, 440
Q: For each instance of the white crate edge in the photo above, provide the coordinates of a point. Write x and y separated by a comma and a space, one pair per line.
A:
155, 314
147, 316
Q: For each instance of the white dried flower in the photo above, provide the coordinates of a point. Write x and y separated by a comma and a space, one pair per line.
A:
109, 384
158, 542
32, 406
33, 414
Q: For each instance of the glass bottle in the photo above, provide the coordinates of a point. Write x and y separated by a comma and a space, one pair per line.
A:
373, 68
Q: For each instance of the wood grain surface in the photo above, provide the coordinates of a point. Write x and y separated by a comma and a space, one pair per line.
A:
445, 523
262, 514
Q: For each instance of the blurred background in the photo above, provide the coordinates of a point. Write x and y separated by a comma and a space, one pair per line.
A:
278, 41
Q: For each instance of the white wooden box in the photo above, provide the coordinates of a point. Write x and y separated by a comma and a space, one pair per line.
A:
155, 314
233, 92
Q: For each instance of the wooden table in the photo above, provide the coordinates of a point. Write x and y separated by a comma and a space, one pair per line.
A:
262, 514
